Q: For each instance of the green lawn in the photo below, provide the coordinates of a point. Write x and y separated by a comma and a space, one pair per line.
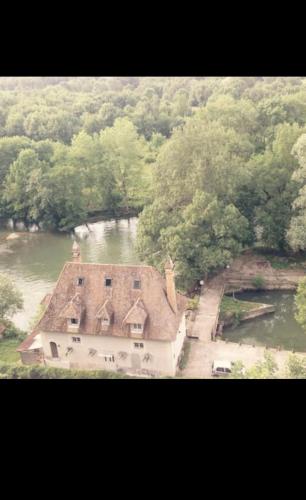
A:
230, 306
8, 352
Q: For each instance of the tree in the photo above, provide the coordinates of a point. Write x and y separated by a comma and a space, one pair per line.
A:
124, 152
296, 234
11, 300
204, 237
265, 369
296, 367
300, 302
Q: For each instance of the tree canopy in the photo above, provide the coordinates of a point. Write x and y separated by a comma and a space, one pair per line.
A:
191, 154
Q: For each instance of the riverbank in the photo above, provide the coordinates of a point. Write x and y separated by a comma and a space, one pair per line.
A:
234, 311
17, 225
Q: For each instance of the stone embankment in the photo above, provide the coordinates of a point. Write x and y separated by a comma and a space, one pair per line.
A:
254, 313
239, 276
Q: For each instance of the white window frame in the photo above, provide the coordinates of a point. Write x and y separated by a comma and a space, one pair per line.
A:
134, 328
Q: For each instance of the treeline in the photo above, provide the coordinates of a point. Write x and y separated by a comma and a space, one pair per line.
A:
232, 176
214, 163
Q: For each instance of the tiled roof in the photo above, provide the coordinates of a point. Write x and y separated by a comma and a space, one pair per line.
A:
161, 323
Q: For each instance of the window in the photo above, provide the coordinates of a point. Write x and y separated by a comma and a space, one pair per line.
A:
108, 282
137, 285
77, 340
109, 357
138, 345
80, 281
105, 321
74, 321
136, 328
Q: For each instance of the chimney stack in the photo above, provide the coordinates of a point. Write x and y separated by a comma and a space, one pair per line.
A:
170, 284
76, 252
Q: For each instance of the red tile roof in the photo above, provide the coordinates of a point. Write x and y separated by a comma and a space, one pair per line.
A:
161, 324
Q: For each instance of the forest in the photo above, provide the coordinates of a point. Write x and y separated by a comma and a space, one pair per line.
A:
212, 165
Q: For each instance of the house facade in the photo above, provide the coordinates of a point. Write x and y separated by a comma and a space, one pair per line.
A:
112, 317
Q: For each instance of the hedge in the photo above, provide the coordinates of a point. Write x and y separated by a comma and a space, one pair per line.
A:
15, 371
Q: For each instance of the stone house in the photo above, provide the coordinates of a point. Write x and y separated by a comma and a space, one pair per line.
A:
113, 317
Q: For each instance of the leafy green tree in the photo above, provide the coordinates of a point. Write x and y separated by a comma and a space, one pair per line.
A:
296, 234
265, 369
124, 151
300, 303
296, 367
205, 236
11, 300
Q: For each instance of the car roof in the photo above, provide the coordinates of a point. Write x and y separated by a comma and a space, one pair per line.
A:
223, 364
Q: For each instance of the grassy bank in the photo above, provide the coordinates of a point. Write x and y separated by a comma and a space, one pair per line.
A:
8, 352
232, 307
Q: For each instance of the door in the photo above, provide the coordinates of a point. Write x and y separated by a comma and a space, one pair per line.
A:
54, 351
136, 363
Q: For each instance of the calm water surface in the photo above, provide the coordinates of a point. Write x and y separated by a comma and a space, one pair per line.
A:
275, 329
35, 260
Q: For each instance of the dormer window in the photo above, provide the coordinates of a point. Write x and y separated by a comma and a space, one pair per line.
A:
108, 282
80, 281
74, 321
137, 284
105, 322
136, 327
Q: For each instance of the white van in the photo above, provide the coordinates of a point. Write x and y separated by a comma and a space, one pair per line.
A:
221, 368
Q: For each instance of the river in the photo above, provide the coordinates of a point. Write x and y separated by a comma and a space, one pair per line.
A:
276, 329
34, 260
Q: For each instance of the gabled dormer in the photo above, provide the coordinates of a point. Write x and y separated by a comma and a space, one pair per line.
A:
73, 312
136, 318
104, 315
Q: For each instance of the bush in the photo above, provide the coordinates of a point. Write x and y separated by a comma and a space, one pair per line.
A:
193, 303
16, 371
12, 332
258, 281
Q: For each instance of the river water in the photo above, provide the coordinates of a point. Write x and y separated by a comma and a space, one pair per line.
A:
276, 329
34, 260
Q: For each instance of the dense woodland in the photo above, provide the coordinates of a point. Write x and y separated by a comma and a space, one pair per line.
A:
212, 164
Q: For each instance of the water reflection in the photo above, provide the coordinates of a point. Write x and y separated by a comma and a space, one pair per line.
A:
278, 329
34, 260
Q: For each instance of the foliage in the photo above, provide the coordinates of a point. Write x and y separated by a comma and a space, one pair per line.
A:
296, 367
193, 303
258, 281
71, 147
16, 371
11, 299
265, 369
300, 303
231, 307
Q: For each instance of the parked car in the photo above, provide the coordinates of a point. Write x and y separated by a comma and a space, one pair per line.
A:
221, 368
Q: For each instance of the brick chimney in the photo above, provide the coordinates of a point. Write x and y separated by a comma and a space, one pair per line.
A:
170, 284
76, 252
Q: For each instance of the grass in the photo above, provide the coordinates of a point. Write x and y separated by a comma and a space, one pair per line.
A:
8, 352
233, 307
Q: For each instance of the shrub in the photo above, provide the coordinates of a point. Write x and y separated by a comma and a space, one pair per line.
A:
258, 281
15, 371
193, 303
12, 332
